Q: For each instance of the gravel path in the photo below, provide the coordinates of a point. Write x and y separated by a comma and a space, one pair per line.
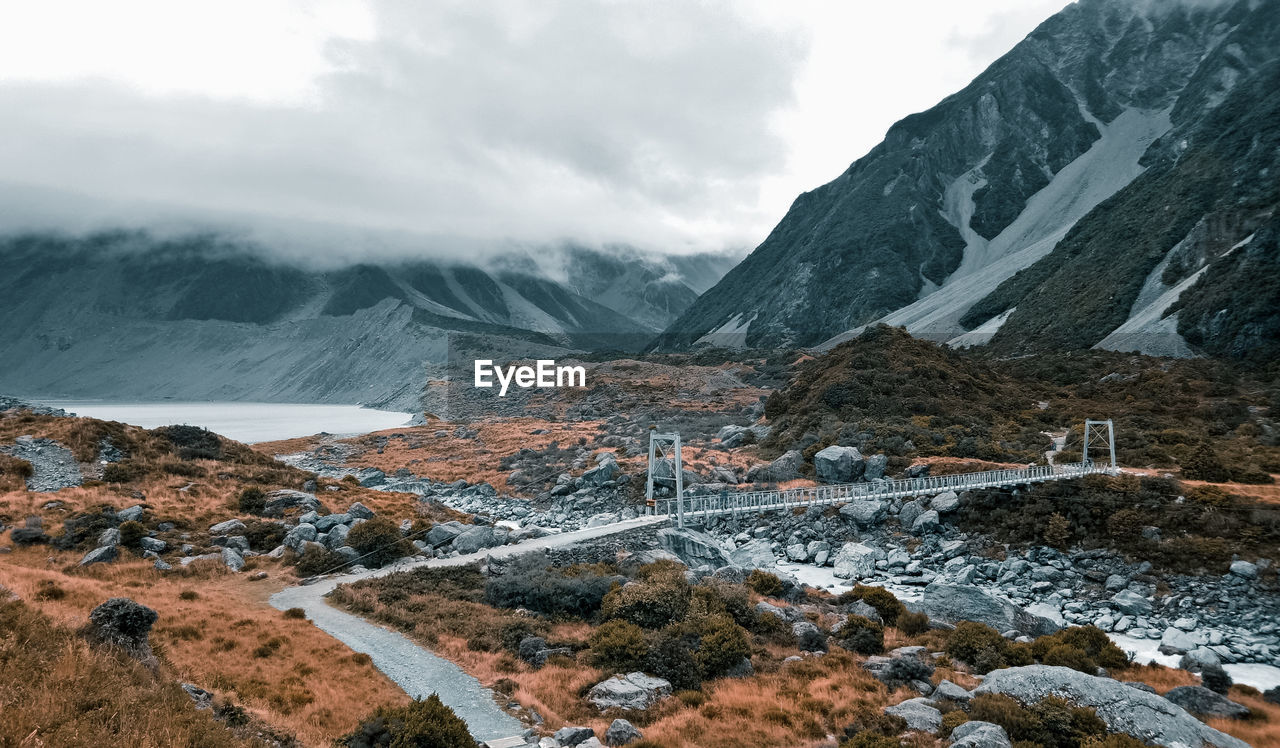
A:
413, 668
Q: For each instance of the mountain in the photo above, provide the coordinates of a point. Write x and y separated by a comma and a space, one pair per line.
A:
1063, 160
128, 315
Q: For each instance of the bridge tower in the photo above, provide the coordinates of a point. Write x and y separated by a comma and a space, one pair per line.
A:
1101, 434
665, 467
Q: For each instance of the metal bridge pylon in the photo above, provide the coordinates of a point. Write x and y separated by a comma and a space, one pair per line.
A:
664, 449
1101, 434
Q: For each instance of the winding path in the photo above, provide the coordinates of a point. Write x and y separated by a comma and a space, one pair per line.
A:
414, 668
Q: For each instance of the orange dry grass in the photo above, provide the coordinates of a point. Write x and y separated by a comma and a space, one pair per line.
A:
226, 640
1158, 677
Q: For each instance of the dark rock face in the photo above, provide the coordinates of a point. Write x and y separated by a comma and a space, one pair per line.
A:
922, 204
1202, 702
125, 624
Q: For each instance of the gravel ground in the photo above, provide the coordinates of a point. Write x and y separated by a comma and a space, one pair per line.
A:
413, 668
53, 466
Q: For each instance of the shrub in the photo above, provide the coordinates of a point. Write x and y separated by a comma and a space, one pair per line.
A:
888, 606
971, 639
1057, 532
421, 724
874, 723
902, 670
722, 645
132, 533
862, 635
316, 560
912, 623
691, 698
671, 657
951, 720
1052, 722
263, 535
252, 500
618, 646
378, 541
193, 442
1083, 648
547, 590
296, 614
125, 471
49, 590
1065, 655
649, 604
718, 596
514, 632
871, 740
765, 584
188, 595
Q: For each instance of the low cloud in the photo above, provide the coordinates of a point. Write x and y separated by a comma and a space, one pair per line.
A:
645, 123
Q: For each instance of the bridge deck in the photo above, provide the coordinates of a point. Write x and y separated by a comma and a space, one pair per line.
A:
764, 501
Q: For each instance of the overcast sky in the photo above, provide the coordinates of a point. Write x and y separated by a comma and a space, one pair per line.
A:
675, 126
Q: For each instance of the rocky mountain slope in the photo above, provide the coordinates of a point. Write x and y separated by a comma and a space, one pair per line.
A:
127, 315
1103, 107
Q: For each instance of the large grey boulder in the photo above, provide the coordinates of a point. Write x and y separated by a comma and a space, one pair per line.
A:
875, 466
109, 536
925, 523
838, 464
297, 538
621, 732
1202, 702
633, 691
1244, 569
954, 603
1131, 603
754, 554
865, 512
1143, 715
232, 559
606, 471
359, 511
909, 512
155, 545
919, 713
131, 514
856, 561
475, 539
947, 501
693, 547
444, 533
979, 734
103, 555
278, 502
337, 537
569, 736
230, 527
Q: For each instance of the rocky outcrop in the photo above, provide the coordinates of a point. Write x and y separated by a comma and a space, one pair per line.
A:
1143, 715
953, 603
978, 734
693, 547
1204, 703
633, 691
621, 732
919, 713
857, 561
837, 464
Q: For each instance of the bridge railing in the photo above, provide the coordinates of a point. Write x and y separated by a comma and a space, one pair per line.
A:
756, 501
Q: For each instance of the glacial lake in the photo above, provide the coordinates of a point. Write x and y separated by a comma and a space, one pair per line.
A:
244, 422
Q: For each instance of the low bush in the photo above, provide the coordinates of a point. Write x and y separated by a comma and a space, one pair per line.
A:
193, 442
378, 541
722, 646
1083, 648
618, 646
888, 606
650, 604
514, 632
970, 640
764, 584
252, 500
263, 535
1052, 722
316, 560
125, 471
547, 590
132, 533
671, 656
862, 635
951, 720
420, 724
903, 670
1215, 678
297, 614
912, 623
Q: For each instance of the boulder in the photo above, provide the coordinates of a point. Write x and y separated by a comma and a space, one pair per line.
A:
278, 502
1176, 641
945, 502
131, 514
109, 536
633, 691
155, 545
978, 734
231, 526
856, 561
875, 466
754, 554
954, 603
865, 512
359, 511
330, 521
569, 736
1203, 703
838, 464
297, 538
948, 690
337, 537
919, 713
1244, 569
103, 555
927, 522
908, 513
1131, 603
232, 559
443, 534
602, 473
475, 539
693, 547
621, 732
1143, 715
